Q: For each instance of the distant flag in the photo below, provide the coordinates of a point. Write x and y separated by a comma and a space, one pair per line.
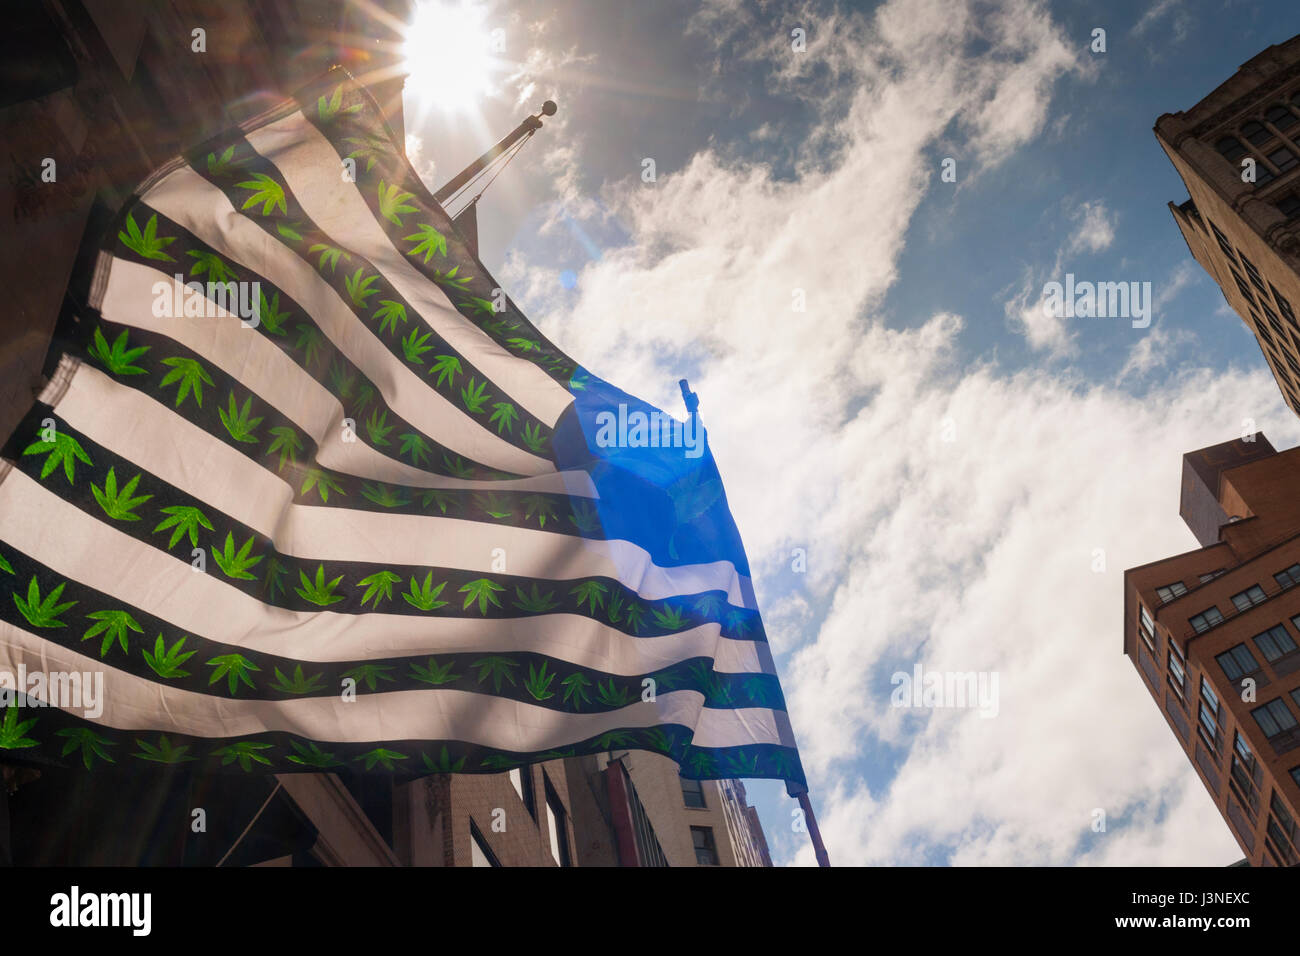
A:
310, 492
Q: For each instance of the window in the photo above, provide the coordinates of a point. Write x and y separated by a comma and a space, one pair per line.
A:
1256, 279
1212, 575
1288, 578
558, 832
1280, 841
1295, 771
1209, 726
1242, 747
1272, 318
706, 851
1237, 662
1281, 117
522, 778
1262, 330
1177, 671
1171, 591
1230, 148
1274, 718
1248, 598
1209, 716
1256, 133
1242, 287
480, 853
1283, 159
693, 793
1283, 305
1242, 773
1282, 829
1205, 620
1148, 628
1223, 242
1276, 325
1286, 823
1275, 643
1207, 692
1288, 205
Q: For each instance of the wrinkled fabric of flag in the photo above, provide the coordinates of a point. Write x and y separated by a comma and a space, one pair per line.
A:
307, 491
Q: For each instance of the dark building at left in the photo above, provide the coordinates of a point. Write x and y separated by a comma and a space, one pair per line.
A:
94, 94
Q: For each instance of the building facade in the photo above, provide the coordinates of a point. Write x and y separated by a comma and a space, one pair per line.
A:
521, 817
1238, 153
1214, 635
658, 818
627, 808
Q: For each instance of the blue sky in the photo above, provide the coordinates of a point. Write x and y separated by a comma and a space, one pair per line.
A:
950, 462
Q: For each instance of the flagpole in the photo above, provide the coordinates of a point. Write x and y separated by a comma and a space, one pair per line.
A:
278, 784
530, 125
692, 401
814, 832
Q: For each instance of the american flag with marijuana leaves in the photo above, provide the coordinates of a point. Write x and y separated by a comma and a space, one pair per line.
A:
311, 493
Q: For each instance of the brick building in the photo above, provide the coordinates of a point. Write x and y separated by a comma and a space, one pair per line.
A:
624, 809
1215, 636
660, 819
628, 808
1238, 153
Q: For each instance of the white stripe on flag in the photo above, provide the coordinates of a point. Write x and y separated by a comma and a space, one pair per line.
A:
157, 439
132, 702
313, 171
189, 199
129, 424
85, 549
258, 364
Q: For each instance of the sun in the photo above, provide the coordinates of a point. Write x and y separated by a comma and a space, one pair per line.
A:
450, 54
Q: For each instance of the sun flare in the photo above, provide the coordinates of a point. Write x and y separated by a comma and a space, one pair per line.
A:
449, 54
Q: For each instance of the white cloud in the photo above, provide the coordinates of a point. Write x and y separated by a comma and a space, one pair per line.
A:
1182, 276
829, 429
1043, 329
1152, 351
1095, 231
1156, 348
985, 564
1091, 230
1157, 11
